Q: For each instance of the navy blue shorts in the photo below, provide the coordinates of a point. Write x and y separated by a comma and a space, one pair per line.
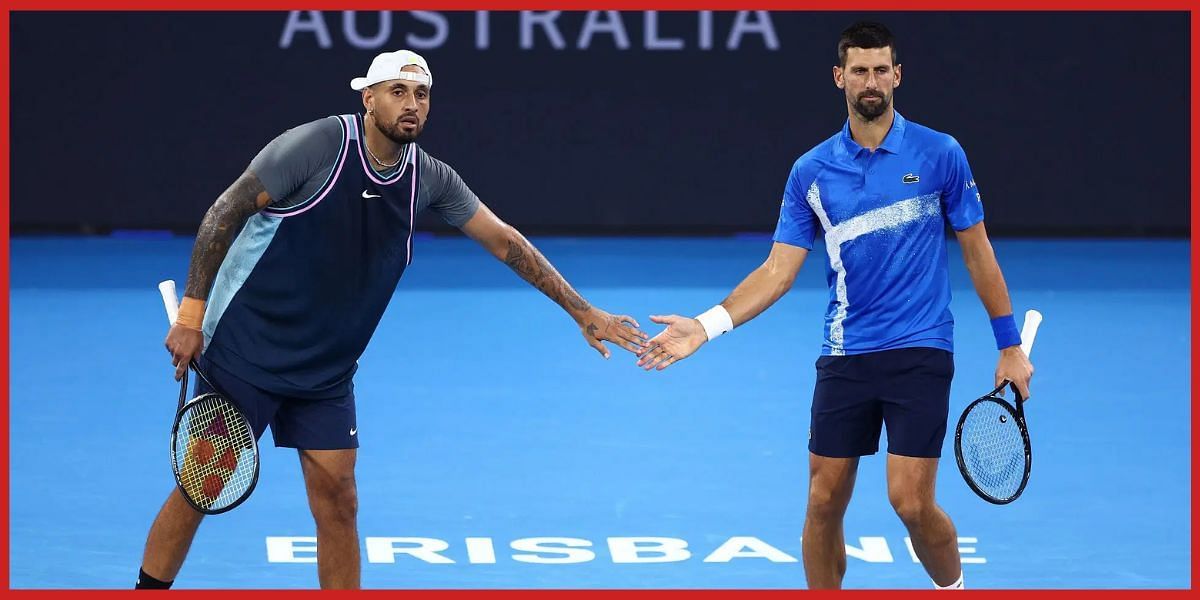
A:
325, 424
907, 388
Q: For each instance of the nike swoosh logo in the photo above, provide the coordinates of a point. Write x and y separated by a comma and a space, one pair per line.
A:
366, 195
353, 430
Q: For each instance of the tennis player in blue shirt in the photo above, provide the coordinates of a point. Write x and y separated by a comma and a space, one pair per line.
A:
881, 190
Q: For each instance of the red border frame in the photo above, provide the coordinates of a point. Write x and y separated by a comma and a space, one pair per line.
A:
5, 379
1195, 226
814, 5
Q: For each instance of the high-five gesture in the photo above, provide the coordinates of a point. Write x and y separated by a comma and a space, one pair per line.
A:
622, 330
682, 337
760, 289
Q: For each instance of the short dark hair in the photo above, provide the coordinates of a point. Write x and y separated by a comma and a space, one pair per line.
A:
865, 34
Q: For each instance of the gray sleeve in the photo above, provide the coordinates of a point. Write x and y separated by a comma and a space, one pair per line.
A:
298, 160
446, 192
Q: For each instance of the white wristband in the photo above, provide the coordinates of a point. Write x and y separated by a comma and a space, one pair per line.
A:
716, 321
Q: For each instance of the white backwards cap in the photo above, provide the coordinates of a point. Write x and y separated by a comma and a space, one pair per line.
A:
387, 66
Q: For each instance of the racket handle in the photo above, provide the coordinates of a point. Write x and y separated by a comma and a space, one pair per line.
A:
170, 299
1033, 319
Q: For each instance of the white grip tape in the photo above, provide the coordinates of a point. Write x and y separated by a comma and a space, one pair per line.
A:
1033, 319
716, 321
170, 299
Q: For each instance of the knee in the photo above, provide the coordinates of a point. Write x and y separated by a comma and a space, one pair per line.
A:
334, 501
826, 502
911, 509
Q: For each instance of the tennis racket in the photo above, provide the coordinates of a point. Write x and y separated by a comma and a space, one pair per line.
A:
991, 442
214, 454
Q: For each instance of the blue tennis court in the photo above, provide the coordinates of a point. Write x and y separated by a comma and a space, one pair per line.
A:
499, 451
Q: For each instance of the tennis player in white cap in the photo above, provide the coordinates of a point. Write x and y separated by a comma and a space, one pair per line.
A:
291, 271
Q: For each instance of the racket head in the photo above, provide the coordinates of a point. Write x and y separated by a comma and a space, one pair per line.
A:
214, 454
991, 446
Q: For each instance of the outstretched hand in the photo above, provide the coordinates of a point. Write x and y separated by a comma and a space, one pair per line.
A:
623, 330
682, 337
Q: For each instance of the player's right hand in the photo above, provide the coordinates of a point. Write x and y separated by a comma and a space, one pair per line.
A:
682, 337
184, 344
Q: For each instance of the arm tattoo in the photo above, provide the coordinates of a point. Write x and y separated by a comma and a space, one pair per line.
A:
218, 229
523, 258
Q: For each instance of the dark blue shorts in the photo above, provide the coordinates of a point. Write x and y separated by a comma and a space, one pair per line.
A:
325, 424
907, 388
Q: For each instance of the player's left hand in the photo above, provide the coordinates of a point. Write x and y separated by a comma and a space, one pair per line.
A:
1014, 366
597, 325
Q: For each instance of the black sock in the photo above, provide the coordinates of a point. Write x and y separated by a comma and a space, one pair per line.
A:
146, 582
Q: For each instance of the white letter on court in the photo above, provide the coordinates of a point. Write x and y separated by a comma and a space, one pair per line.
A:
284, 549
441, 30
630, 549
748, 547
974, 560
481, 551
315, 25
764, 27
545, 20
350, 28
613, 25
573, 552
874, 550
384, 550
653, 42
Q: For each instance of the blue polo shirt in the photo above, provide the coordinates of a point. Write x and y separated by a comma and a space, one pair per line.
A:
883, 215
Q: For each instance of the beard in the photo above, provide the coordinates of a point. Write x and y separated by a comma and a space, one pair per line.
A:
394, 133
873, 110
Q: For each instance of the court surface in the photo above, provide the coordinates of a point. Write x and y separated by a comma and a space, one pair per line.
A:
484, 416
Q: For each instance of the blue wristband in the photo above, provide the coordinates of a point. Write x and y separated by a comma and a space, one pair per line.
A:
1005, 330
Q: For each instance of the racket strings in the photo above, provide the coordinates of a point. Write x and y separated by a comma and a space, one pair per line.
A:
993, 450
213, 453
